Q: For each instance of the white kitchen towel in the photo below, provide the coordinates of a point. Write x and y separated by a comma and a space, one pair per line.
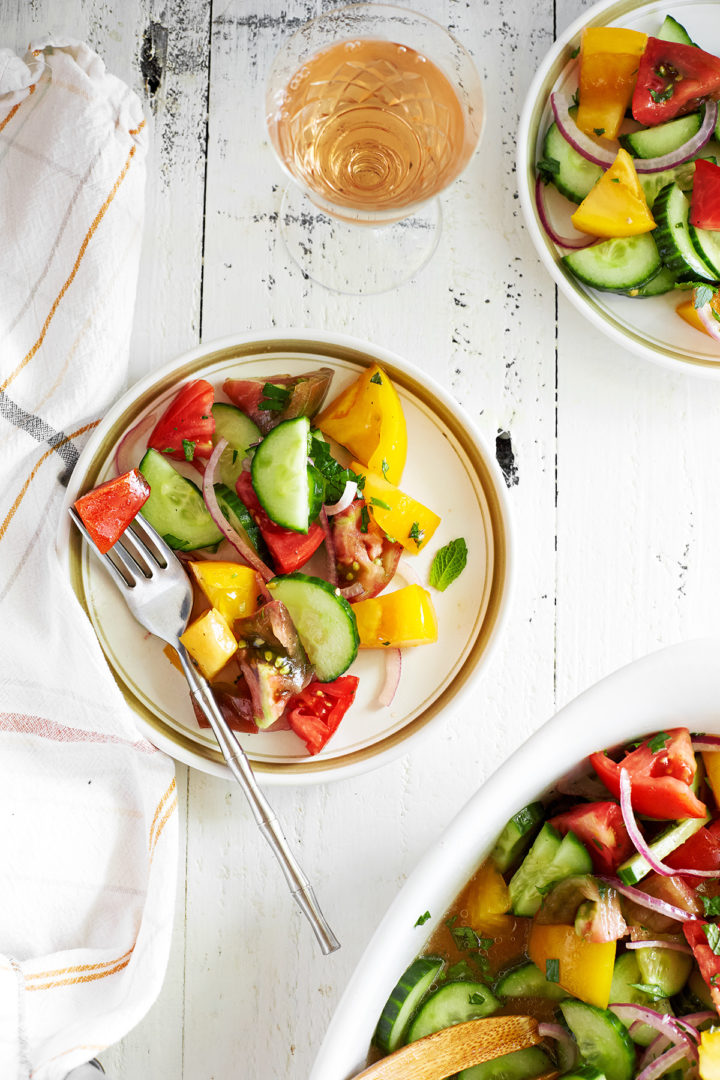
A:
88, 808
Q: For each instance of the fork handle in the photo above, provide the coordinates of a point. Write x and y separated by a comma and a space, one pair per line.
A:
263, 813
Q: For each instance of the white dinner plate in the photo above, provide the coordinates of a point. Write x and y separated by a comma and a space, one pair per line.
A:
650, 327
449, 468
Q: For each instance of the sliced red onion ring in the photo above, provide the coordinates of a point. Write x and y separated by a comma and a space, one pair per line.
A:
345, 499
710, 743
659, 1044
351, 591
329, 547
639, 840
695, 1019
661, 1064
561, 241
243, 549
560, 103
125, 457
664, 1024
561, 1035
660, 907
711, 324
674, 946
393, 668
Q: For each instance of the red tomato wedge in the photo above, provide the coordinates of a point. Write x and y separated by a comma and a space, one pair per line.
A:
661, 775
672, 80
316, 712
705, 201
601, 828
702, 937
290, 550
186, 428
700, 852
107, 511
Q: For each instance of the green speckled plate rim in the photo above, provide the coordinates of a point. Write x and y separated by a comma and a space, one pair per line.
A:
546, 77
486, 475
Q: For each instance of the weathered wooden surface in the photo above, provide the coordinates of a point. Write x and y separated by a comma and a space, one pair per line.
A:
613, 467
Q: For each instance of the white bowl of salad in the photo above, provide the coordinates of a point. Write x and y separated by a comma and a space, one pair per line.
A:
580, 886
346, 533
619, 175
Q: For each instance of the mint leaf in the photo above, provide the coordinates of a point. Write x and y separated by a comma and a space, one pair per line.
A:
448, 564
476, 999
552, 970
651, 989
711, 904
703, 295
188, 449
379, 502
658, 742
422, 919
712, 933
274, 397
364, 519
416, 533
384, 468
547, 169
377, 379
332, 472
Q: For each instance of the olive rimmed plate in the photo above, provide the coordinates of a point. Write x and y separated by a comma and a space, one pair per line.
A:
648, 327
449, 468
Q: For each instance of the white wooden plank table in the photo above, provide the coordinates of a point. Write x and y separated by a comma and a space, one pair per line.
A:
613, 486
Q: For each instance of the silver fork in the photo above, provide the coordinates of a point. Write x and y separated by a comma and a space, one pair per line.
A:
159, 594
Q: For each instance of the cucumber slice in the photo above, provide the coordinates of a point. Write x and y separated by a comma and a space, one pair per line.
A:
576, 175
584, 1072
550, 859
635, 868
672, 30
682, 175
325, 622
624, 990
707, 246
664, 968
280, 474
616, 265
602, 1040
663, 282
404, 1000
517, 836
522, 1065
176, 508
663, 138
452, 1003
529, 981
237, 514
239, 430
672, 235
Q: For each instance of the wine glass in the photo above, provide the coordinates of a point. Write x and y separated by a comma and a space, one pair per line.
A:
372, 110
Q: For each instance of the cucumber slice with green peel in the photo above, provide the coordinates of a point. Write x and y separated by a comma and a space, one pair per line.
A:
550, 859
529, 981
324, 620
665, 968
616, 265
707, 245
404, 1000
237, 514
663, 282
602, 1039
624, 991
636, 867
517, 836
584, 1072
241, 433
522, 1065
672, 30
682, 175
663, 138
672, 235
452, 1003
176, 508
576, 175
280, 474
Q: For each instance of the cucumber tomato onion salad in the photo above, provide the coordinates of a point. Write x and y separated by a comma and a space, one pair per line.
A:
597, 913
245, 483
636, 149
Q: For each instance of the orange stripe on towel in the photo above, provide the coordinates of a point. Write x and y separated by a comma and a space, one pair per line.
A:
78, 969
152, 840
8, 118
91, 976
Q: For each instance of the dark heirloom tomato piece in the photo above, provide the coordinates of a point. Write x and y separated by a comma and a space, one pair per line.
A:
601, 828
289, 550
235, 704
704, 940
661, 770
316, 712
364, 554
673, 79
593, 909
272, 660
185, 430
107, 511
290, 396
705, 200
673, 890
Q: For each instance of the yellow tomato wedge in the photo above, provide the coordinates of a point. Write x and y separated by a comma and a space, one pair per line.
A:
709, 1053
711, 761
585, 967
210, 642
400, 516
399, 619
616, 205
487, 901
367, 418
609, 59
232, 589
688, 312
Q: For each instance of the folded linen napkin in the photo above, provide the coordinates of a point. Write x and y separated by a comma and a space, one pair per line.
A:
88, 809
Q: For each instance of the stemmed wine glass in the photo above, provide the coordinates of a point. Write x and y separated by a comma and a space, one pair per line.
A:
372, 110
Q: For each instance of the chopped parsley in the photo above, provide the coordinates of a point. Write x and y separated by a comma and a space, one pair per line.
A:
448, 564
552, 970
703, 294
379, 502
599, 131
651, 989
422, 919
275, 398
416, 533
188, 449
377, 379
364, 519
712, 933
711, 904
658, 742
547, 169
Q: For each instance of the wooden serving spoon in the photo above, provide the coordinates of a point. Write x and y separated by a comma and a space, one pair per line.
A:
458, 1047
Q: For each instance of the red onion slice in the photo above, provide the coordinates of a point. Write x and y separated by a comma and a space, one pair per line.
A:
561, 1035
125, 458
393, 669
710, 743
561, 241
661, 1064
661, 1022
660, 907
345, 499
639, 840
329, 547
659, 1044
695, 1019
711, 324
243, 549
674, 946
351, 591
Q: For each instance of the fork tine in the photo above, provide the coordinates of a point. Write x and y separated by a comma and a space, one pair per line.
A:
146, 535
117, 571
138, 552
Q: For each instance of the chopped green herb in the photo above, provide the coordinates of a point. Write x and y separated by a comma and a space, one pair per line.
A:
597, 843
384, 468
188, 449
451, 921
416, 533
651, 989
547, 169
703, 294
332, 472
658, 742
576, 99
714, 979
659, 96
234, 456
448, 564
423, 919
599, 131
461, 970
711, 904
364, 519
275, 398
614, 180
377, 379
465, 937
552, 970
169, 450
714, 314
379, 502
476, 999
173, 541
574, 54
712, 933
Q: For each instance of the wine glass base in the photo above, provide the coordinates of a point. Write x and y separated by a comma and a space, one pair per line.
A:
356, 259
